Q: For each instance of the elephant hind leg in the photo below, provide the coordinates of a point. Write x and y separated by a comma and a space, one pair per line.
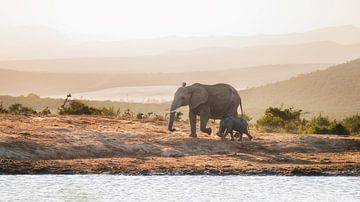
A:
247, 133
232, 110
249, 136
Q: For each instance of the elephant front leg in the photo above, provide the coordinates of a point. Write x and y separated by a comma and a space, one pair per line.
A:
192, 119
224, 135
240, 137
232, 135
203, 122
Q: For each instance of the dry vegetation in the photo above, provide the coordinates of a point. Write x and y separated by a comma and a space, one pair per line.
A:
35, 102
333, 92
97, 144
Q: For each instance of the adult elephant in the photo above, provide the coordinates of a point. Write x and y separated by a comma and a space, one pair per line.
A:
207, 101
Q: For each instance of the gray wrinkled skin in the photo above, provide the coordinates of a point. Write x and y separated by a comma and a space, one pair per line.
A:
231, 124
207, 101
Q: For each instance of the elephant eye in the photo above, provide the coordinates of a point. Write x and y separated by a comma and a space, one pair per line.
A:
182, 97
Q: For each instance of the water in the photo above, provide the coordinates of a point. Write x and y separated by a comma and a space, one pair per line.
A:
140, 94
177, 188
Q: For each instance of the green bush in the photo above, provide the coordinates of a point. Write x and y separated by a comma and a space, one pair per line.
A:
269, 123
79, 108
318, 125
3, 110
159, 117
352, 124
323, 125
151, 116
178, 116
110, 111
140, 115
277, 119
19, 109
45, 111
317, 130
338, 129
321, 121
128, 113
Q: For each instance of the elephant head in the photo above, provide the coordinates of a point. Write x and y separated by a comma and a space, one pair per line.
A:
193, 96
224, 125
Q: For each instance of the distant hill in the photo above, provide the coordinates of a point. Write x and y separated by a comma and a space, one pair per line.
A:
206, 59
334, 91
36, 42
23, 83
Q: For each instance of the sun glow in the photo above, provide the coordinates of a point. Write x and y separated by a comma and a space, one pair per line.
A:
115, 20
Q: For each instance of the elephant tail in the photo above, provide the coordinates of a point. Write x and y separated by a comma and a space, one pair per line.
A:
242, 112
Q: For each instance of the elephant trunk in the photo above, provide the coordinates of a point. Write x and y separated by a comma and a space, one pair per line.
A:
242, 113
172, 117
171, 121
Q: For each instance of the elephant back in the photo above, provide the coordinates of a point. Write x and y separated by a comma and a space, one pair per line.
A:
223, 99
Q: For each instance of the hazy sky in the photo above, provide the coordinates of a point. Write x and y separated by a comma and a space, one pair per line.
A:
128, 19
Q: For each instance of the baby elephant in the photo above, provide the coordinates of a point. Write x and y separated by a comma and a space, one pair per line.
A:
230, 124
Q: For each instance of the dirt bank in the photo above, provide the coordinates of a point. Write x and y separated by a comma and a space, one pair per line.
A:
87, 144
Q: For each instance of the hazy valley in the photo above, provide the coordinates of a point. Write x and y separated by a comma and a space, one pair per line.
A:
257, 66
50, 84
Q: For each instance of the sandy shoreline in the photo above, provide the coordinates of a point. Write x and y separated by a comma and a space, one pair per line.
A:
50, 167
106, 145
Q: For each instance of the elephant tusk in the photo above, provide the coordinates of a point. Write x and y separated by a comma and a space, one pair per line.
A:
173, 111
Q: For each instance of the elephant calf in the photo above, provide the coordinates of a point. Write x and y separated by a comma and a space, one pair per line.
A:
229, 124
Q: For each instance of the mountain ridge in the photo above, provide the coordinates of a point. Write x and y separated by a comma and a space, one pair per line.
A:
18, 42
333, 91
197, 60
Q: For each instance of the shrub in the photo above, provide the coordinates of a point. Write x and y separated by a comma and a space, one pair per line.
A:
140, 115
110, 111
277, 119
321, 120
3, 110
178, 116
149, 114
128, 113
45, 111
159, 117
269, 123
323, 125
19, 109
314, 129
79, 108
352, 124
338, 129
318, 125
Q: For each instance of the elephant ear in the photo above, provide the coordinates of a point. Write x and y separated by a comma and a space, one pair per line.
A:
198, 96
